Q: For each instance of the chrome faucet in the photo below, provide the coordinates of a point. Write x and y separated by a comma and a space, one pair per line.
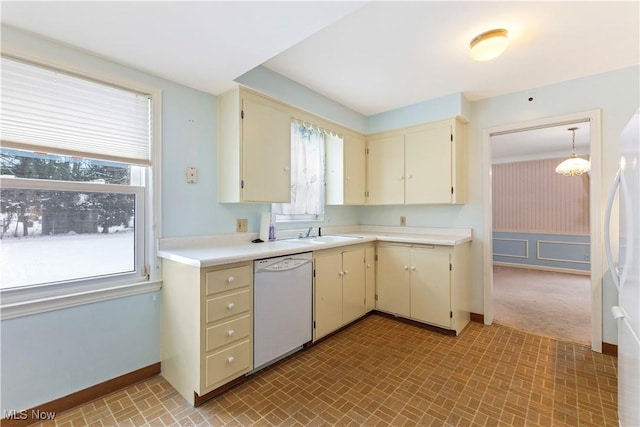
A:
309, 232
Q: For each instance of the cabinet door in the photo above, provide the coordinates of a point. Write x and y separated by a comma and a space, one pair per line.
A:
266, 151
385, 171
328, 294
430, 287
354, 170
393, 280
353, 285
428, 165
370, 278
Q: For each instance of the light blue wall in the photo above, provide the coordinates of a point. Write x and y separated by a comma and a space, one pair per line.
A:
427, 111
50, 355
275, 85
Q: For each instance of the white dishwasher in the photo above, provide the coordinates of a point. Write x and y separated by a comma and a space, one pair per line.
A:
282, 320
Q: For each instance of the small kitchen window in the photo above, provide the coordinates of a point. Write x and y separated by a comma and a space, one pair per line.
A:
307, 174
75, 170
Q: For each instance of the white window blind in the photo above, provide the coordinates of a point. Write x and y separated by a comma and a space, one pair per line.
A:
46, 110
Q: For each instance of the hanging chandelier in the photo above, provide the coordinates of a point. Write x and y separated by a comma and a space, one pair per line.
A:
574, 165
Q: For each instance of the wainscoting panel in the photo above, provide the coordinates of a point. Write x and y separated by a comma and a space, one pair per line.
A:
548, 251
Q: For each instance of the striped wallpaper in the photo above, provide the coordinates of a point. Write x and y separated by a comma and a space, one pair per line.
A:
530, 197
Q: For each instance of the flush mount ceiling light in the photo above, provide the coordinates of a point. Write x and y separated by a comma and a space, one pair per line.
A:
574, 165
488, 45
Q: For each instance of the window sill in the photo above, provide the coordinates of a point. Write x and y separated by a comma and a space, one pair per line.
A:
35, 306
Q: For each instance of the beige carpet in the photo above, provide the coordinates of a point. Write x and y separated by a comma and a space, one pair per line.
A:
555, 305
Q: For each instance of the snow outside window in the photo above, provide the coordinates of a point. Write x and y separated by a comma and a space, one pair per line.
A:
73, 194
307, 176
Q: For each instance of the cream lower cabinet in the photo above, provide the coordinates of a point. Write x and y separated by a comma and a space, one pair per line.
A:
426, 283
207, 326
340, 289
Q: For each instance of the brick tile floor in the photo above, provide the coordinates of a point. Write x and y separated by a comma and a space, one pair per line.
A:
381, 372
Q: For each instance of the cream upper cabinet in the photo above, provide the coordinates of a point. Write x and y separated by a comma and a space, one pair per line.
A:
385, 170
346, 166
254, 148
426, 283
339, 286
422, 164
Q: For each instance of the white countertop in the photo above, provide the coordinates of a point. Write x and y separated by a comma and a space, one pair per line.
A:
211, 251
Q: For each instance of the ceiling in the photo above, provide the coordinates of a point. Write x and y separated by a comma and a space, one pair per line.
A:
369, 56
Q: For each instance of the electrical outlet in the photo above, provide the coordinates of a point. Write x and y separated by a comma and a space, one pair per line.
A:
241, 225
191, 175
403, 221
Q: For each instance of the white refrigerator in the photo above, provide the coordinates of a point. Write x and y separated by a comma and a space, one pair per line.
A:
626, 276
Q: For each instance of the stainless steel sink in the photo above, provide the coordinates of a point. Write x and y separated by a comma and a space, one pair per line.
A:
322, 239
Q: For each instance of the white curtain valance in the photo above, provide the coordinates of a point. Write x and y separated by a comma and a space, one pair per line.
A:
312, 126
47, 110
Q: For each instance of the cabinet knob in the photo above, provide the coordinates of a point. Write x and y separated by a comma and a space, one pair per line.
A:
413, 268
286, 169
231, 279
230, 359
341, 273
231, 332
406, 267
348, 178
410, 176
346, 272
368, 265
401, 178
230, 306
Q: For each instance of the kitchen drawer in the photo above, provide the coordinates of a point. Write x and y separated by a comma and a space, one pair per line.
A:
228, 305
228, 279
224, 364
227, 332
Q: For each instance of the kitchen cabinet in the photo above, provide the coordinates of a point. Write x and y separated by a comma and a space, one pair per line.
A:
426, 283
370, 278
422, 164
385, 170
346, 164
339, 286
207, 327
254, 148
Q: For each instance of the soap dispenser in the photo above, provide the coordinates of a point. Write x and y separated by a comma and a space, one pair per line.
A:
272, 228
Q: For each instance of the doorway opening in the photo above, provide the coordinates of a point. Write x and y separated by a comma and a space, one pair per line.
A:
547, 249
541, 233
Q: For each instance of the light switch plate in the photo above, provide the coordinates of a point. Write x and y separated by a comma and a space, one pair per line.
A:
242, 225
192, 175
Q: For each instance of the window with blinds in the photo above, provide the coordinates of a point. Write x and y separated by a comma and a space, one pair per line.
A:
75, 156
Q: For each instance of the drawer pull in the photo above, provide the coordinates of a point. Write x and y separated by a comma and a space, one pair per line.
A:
368, 265
231, 279
230, 306
230, 359
406, 267
231, 332
413, 269
346, 272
